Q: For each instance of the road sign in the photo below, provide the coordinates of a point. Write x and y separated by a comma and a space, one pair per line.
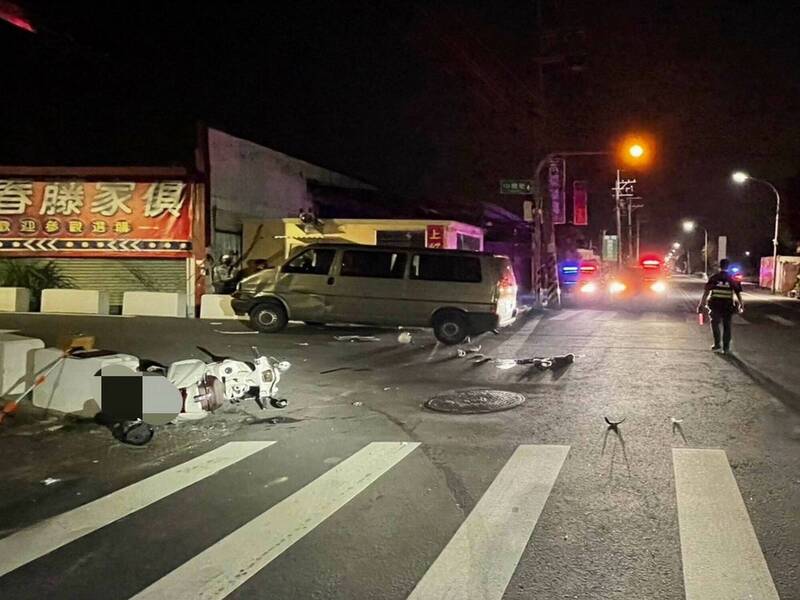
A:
610, 247
516, 186
555, 182
527, 211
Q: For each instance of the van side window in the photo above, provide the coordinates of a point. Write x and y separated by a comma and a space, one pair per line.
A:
441, 267
315, 261
364, 263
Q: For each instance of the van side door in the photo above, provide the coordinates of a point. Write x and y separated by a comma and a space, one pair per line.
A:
304, 283
439, 279
370, 287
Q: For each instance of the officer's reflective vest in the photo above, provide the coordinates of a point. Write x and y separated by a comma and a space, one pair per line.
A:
722, 290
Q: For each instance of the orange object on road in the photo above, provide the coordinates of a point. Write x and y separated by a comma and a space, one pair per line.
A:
10, 408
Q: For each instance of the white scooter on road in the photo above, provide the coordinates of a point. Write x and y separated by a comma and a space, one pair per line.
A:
206, 386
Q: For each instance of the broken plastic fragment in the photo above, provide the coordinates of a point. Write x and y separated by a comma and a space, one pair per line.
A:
404, 338
49, 481
356, 338
358, 403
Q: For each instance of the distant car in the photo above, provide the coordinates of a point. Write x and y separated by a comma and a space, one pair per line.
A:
458, 293
582, 281
646, 280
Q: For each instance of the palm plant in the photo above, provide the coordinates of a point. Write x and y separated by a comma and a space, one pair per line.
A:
34, 275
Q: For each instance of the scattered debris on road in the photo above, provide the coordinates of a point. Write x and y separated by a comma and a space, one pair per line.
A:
356, 338
236, 332
540, 362
404, 338
463, 352
303, 344
276, 481
49, 481
337, 369
357, 403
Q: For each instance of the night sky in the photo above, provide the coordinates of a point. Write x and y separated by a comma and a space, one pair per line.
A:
431, 101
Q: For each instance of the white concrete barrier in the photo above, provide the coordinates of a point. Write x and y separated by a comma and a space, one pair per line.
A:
217, 306
90, 302
15, 299
154, 304
72, 386
16, 362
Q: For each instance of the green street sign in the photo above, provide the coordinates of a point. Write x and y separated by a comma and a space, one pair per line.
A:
516, 186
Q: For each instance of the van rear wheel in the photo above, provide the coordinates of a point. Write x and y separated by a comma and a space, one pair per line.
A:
269, 317
450, 327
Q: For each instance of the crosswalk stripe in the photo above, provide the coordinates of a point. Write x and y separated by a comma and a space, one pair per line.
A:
480, 559
34, 542
223, 567
721, 555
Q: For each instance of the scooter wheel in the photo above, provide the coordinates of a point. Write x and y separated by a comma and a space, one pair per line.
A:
278, 402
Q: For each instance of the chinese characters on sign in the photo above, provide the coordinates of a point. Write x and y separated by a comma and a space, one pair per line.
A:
95, 217
434, 236
516, 186
555, 184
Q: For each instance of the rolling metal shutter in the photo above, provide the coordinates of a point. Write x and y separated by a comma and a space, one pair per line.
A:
119, 275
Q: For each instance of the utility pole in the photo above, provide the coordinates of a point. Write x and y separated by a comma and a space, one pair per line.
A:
638, 238
617, 200
623, 191
630, 227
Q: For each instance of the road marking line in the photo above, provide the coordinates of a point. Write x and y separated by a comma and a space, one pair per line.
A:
480, 559
223, 567
721, 555
514, 344
605, 315
565, 314
781, 320
42, 538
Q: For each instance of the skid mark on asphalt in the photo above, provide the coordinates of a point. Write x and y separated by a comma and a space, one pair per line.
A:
721, 554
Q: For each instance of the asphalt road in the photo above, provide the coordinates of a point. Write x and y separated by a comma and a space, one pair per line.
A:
363, 493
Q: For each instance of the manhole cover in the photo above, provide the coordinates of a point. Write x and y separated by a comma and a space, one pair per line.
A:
474, 401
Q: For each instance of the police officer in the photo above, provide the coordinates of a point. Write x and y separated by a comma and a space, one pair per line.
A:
225, 275
723, 298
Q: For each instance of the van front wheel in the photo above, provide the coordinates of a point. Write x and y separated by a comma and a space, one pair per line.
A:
269, 317
450, 327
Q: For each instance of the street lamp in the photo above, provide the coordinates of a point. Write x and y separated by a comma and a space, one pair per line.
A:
676, 245
747, 252
741, 178
689, 227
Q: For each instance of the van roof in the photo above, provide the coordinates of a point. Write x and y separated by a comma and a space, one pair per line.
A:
401, 249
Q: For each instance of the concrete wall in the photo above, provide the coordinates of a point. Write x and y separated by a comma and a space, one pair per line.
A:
251, 181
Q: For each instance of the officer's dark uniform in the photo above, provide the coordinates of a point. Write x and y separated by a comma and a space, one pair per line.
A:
722, 288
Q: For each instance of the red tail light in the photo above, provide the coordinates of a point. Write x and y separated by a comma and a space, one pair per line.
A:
651, 263
588, 268
507, 281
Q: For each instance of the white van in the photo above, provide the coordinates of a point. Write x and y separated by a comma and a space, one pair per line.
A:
458, 293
